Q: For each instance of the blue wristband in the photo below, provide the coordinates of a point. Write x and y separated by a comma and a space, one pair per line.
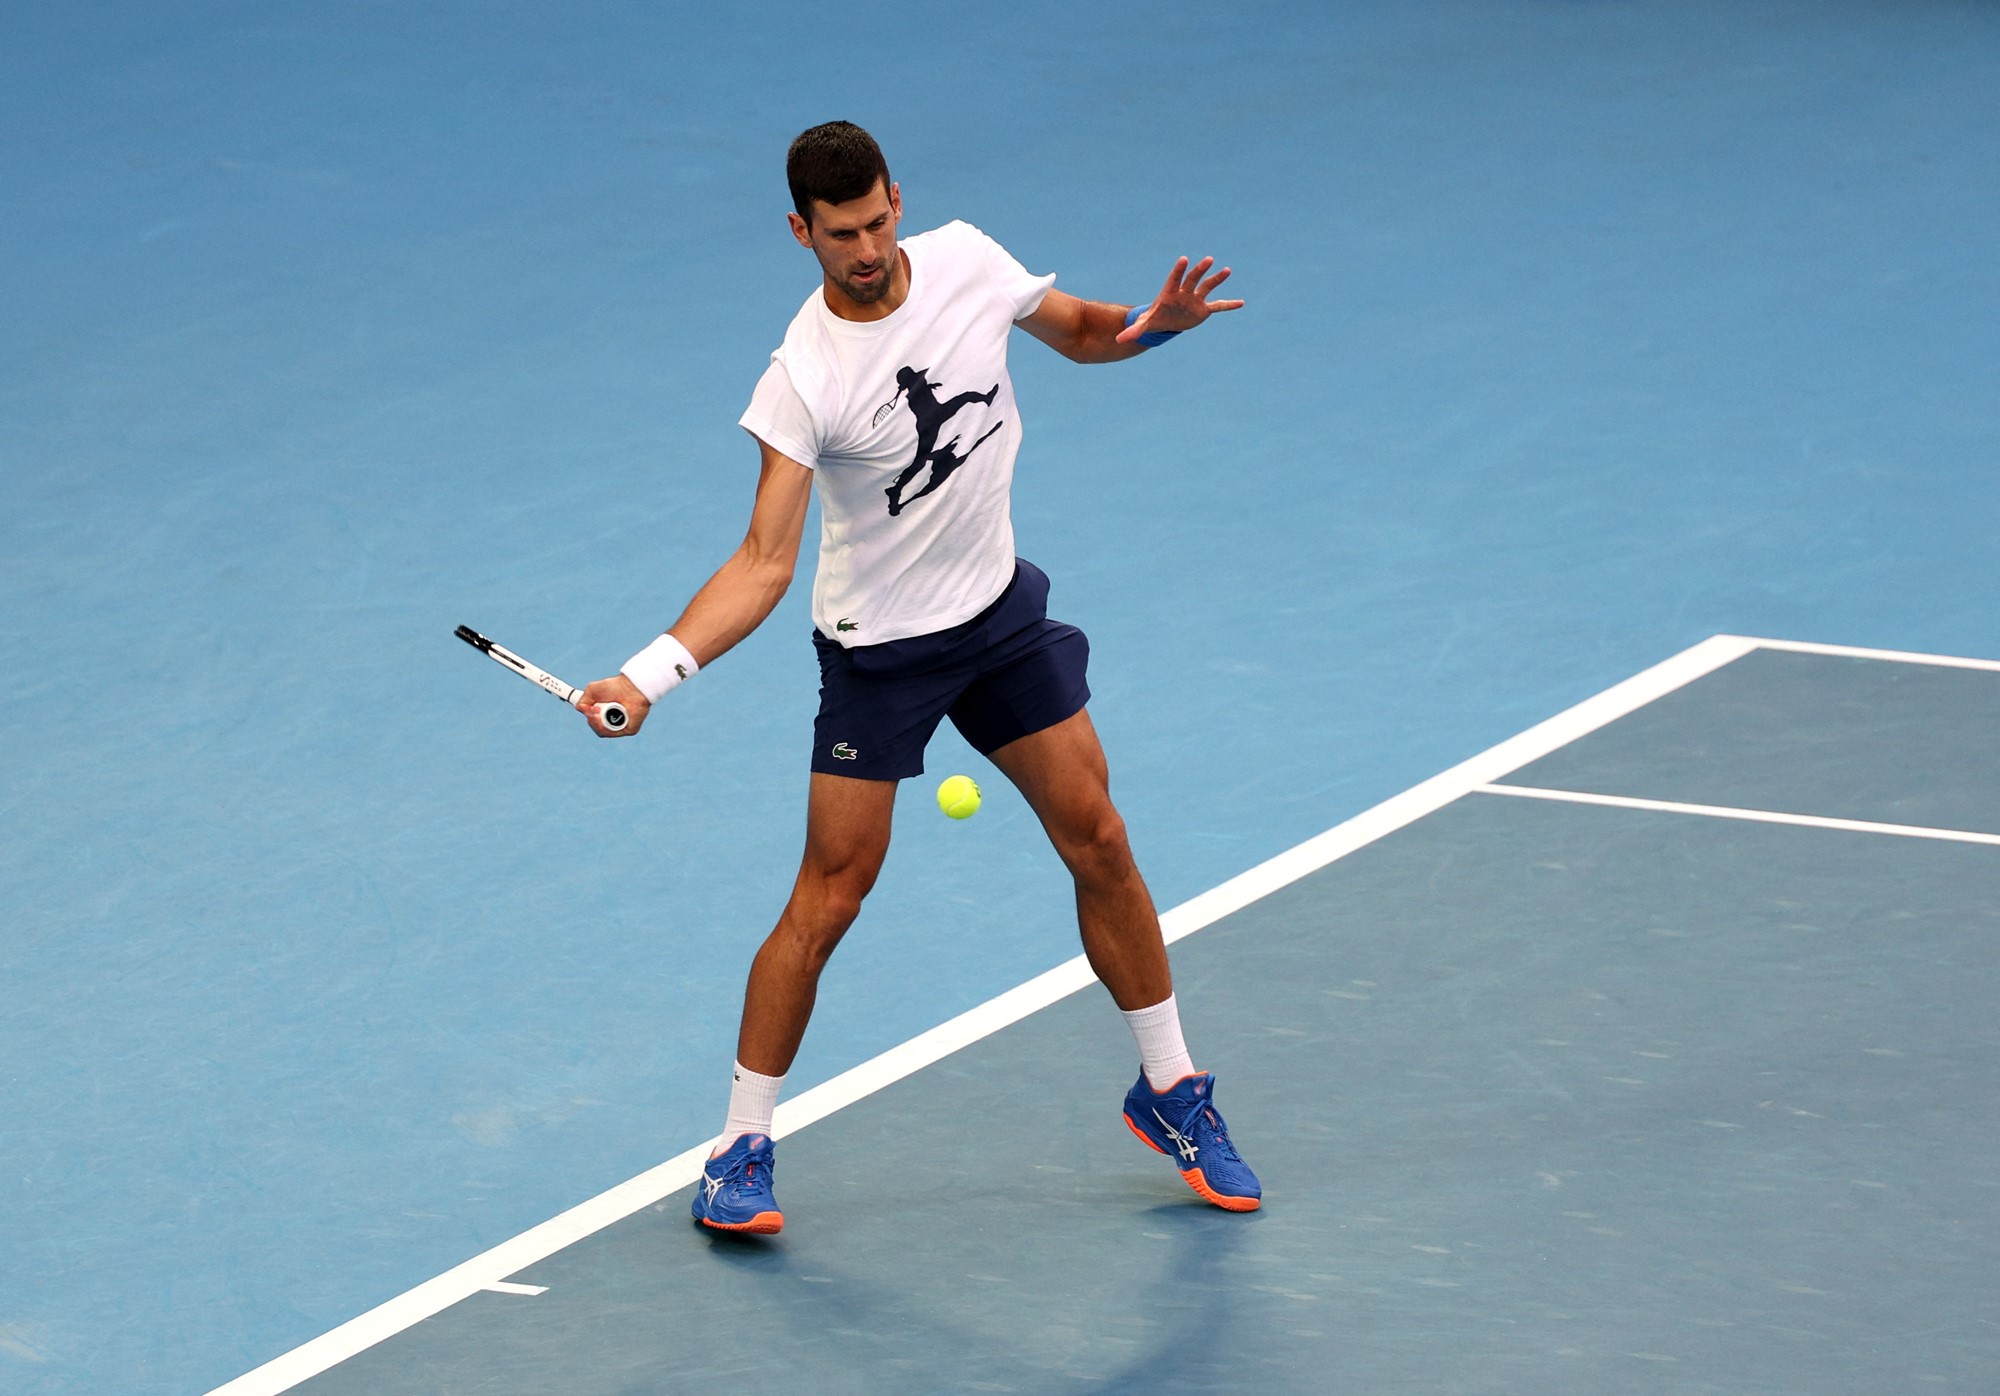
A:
1151, 339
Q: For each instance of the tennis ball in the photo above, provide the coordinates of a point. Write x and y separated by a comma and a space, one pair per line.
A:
959, 797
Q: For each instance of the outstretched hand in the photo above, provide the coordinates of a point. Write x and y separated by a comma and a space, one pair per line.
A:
1183, 302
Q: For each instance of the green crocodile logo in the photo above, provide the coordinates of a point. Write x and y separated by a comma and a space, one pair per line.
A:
845, 624
843, 752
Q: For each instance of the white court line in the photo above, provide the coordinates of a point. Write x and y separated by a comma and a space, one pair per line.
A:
1937, 661
482, 1271
1757, 816
504, 1287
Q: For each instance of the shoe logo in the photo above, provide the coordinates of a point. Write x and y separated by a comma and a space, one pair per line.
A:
843, 752
844, 625
1183, 1145
711, 1185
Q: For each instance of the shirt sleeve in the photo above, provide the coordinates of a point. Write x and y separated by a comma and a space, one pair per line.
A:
1019, 287
777, 416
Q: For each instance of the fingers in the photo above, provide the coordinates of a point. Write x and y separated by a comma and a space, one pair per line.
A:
594, 714
620, 690
1183, 301
1193, 284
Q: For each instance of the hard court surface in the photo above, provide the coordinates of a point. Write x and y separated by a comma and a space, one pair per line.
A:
338, 968
1546, 1095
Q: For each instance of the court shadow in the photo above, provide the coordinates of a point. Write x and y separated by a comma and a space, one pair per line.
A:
1189, 1313
752, 1255
1158, 1318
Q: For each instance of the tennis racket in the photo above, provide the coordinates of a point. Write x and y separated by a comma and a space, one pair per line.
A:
612, 715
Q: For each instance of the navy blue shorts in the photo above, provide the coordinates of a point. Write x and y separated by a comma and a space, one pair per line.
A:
1008, 671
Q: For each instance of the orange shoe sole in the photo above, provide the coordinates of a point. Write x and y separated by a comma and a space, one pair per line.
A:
1192, 1177
763, 1224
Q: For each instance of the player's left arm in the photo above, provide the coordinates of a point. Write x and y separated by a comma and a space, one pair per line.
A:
1094, 332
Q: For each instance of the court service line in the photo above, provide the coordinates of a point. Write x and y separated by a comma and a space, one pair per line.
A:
1757, 816
483, 1271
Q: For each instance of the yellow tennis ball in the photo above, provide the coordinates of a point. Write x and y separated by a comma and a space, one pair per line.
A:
959, 797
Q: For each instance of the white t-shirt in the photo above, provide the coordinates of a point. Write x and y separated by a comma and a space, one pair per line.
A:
909, 426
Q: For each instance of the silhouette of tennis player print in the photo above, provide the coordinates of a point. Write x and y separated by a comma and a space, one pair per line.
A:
931, 416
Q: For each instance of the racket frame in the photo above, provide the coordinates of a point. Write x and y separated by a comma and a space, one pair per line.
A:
613, 715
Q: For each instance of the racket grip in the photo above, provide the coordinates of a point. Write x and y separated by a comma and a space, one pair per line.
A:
612, 715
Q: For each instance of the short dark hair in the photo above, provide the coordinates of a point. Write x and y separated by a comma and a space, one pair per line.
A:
833, 162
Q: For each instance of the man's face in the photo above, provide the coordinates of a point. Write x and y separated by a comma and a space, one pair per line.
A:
855, 241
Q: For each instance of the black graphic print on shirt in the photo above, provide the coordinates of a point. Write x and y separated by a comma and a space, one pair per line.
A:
931, 416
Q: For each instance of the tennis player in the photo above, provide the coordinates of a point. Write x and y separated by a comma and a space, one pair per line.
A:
890, 393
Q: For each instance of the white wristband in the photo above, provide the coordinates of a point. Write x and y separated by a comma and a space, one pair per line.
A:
660, 668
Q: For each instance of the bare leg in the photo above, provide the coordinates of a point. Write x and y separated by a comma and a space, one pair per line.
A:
847, 836
1062, 772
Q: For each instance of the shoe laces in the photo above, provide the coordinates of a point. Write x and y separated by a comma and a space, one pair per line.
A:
744, 1169
1214, 1134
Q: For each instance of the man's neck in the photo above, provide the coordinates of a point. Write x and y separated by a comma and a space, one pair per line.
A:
845, 307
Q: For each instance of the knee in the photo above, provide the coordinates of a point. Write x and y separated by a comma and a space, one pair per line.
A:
1096, 848
837, 901
824, 904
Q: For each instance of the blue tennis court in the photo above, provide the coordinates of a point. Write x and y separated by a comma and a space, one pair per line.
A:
333, 960
1588, 1085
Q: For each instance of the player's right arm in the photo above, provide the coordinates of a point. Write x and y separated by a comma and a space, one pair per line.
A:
743, 591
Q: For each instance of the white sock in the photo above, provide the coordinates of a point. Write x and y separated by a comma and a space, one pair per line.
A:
1162, 1054
752, 1099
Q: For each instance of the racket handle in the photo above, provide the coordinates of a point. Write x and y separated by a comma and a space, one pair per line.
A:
612, 715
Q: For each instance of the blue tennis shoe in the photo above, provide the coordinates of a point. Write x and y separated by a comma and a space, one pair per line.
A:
734, 1193
1182, 1122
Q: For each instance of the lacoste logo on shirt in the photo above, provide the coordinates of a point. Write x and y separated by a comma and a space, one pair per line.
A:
843, 752
845, 624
